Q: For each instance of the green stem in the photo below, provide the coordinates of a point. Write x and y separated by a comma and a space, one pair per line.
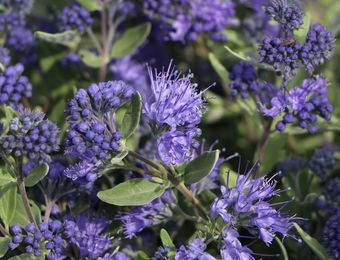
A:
24, 197
264, 140
94, 39
3, 231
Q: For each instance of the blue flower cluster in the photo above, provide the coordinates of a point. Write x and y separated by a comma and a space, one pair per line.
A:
154, 213
32, 238
318, 47
74, 17
24, 6
301, 104
288, 15
83, 174
244, 79
92, 134
195, 250
331, 239
247, 205
13, 86
331, 190
32, 136
174, 109
322, 162
191, 18
87, 235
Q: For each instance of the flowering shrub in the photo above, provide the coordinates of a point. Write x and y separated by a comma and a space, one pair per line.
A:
170, 129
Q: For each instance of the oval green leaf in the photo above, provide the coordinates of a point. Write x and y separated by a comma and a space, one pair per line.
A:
133, 192
313, 244
8, 202
201, 167
36, 175
131, 116
166, 239
90, 59
5, 177
130, 40
90, 5
4, 245
67, 38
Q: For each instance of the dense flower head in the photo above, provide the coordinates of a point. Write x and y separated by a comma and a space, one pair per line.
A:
246, 205
302, 105
141, 217
174, 100
36, 240
20, 38
195, 250
331, 190
74, 17
32, 136
321, 162
317, 48
11, 20
83, 174
331, 238
175, 147
244, 79
283, 57
92, 134
87, 235
14, 87
292, 165
289, 16
24, 6
232, 247
191, 18
5, 57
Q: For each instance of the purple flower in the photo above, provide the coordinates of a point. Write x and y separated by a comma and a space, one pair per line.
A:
289, 16
87, 235
244, 79
174, 100
232, 248
175, 147
318, 47
74, 17
331, 190
148, 215
246, 205
331, 239
32, 136
322, 162
24, 6
14, 87
195, 250
83, 173
20, 38
92, 134
283, 57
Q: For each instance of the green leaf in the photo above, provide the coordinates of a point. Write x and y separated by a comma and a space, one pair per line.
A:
119, 157
4, 245
244, 57
283, 249
166, 239
68, 38
90, 59
5, 177
9, 114
131, 116
130, 40
90, 5
201, 166
133, 192
142, 255
317, 248
8, 203
219, 68
20, 216
36, 175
